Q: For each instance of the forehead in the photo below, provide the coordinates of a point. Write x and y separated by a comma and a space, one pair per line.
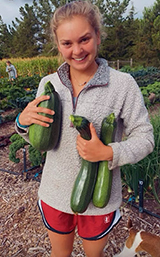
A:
76, 26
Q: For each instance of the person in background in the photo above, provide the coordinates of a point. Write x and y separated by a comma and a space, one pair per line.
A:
12, 72
88, 87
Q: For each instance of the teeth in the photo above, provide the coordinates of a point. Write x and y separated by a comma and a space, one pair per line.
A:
79, 59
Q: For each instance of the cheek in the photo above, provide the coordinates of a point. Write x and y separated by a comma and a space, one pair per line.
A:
65, 52
93, 46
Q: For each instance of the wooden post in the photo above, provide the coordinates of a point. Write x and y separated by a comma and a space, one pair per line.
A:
24, 172
141, 198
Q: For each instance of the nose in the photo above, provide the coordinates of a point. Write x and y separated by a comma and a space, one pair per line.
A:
77, 49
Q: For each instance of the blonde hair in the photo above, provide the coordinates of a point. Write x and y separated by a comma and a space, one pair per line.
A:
76, 8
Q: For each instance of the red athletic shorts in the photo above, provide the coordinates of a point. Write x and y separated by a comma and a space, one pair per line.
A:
89, 227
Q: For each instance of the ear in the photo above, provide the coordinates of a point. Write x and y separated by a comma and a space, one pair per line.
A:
131, 238
129, 223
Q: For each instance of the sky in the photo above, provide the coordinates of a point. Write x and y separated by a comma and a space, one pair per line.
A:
9, 9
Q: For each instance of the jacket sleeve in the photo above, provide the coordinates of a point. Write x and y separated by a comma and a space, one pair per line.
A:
138, 139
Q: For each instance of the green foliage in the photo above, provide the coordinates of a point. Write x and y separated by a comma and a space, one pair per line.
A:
113, 12
155, 158
129, 69
147, 46
35, 156
148, 80
25, 37
27, 82
146, 76
147, 169
152, 88
18, 142
14, 95
18, 93
5, 40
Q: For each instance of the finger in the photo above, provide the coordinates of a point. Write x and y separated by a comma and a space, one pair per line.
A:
44, 110
43, 118
39, 119
41, 123
81, 142
80, 151
39, 99
28, 118
93, 131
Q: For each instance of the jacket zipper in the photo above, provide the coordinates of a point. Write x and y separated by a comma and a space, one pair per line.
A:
74, 104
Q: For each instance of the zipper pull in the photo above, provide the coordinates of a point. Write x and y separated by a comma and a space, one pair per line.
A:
71, 123
74, 101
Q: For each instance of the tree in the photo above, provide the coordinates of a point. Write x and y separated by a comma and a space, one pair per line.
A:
119, 30
156, 34
5, 40
25, 36
114, 12
147, 47
156, 30
44, 11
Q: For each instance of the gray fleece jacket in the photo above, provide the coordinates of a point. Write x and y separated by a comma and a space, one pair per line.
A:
108, 91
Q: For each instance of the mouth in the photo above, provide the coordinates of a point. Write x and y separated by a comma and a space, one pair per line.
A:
80, 59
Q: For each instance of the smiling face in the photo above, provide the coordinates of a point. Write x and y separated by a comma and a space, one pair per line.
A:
78, 43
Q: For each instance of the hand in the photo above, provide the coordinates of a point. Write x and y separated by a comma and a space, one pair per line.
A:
30, 114
93, 150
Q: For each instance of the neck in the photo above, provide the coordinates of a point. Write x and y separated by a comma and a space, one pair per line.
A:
81, 78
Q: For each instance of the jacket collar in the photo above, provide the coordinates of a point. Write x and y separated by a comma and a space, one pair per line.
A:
100, 78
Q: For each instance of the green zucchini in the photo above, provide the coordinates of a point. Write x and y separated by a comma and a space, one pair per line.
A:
85, 181
46, 138
102, 190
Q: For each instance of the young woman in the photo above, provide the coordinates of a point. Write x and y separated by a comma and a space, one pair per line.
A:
87, 87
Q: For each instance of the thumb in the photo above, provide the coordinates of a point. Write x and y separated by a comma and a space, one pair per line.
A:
93, 131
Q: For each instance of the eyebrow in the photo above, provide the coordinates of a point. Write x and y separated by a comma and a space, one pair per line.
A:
68, 40
85, 35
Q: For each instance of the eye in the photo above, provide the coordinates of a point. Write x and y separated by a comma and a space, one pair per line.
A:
66, 44
85, 39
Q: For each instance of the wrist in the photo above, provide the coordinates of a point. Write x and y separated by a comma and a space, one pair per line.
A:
108, 153
18, 123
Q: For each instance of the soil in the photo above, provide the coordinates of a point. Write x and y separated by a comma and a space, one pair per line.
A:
22, 232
